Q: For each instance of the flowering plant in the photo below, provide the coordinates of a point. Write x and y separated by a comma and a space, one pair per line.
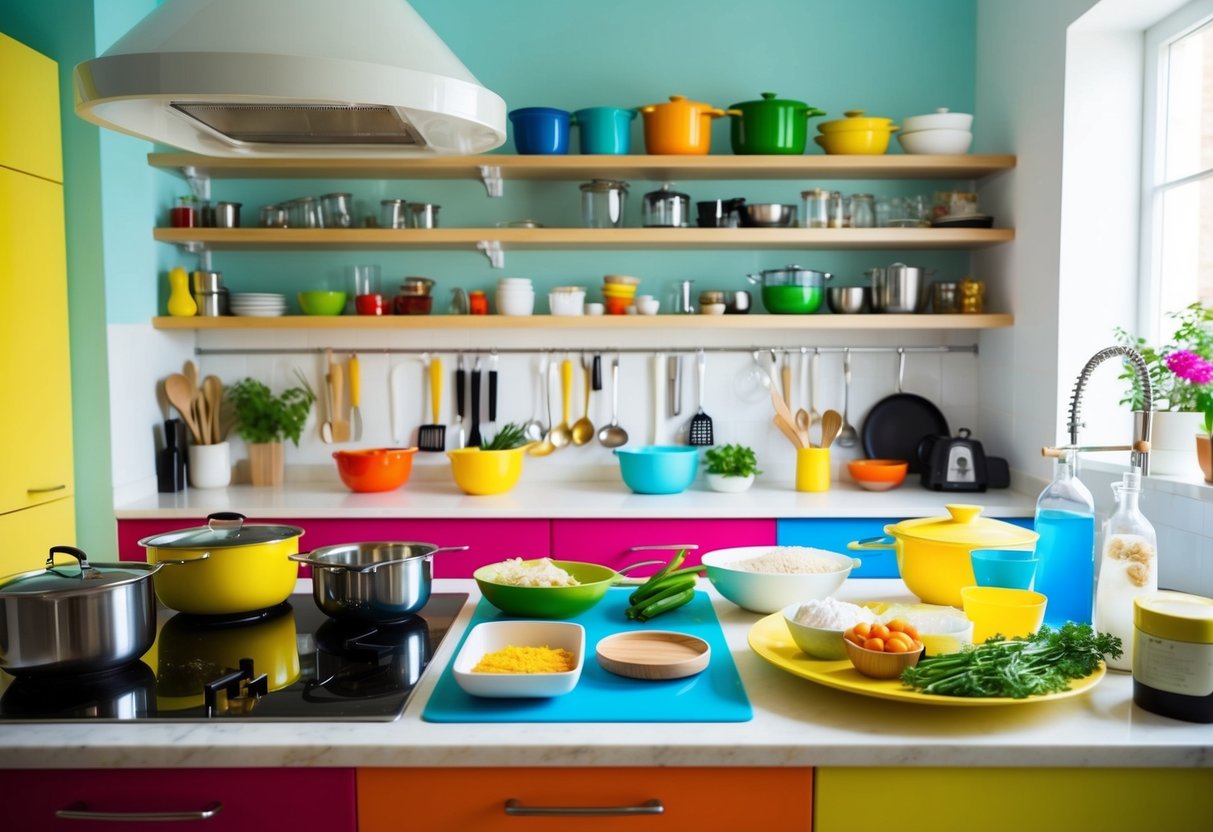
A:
1198, 372
1180, 370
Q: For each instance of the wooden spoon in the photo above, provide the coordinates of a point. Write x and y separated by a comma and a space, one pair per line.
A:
181, 396
831, 424
190, 371
803, 420
341, 425
788, 430
212, 389
201, 410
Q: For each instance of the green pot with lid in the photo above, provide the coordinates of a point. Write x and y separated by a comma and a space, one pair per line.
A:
771, 126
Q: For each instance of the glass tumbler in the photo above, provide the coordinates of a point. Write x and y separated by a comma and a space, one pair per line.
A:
838, 210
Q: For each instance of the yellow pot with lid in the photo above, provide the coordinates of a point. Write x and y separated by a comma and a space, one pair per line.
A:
933, 552
856, 120
856, 134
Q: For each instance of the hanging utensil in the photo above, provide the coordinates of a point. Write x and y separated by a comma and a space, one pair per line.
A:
847, 435
432, 437
814, 377
460, 384
658, 370
562, 434
474, 438
785, 375
831, 424
393, 387
326, 427
341, 425
784, 418
535, 430
583, 428
674, 379
493, 391
613, 436
354, 369
700, 432
546, 447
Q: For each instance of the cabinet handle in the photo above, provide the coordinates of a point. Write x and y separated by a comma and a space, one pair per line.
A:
649, 807
59, 487
670, 546
80, 811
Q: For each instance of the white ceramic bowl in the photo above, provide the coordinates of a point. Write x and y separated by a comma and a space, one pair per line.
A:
936, 141
768, 592
647, 306
515, 303
594, 309
941, 119
940, 629
514, 283
566, 303
496, 635
814, 641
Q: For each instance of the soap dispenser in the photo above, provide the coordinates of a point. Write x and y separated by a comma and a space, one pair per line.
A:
1065, 520
1128, 566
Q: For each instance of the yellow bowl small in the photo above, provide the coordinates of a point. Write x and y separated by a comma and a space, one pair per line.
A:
611, 290
855, 142
481, 473
1000, 610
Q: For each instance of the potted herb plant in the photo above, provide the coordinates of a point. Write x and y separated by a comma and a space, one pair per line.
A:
731, 468
266, 421
1180, 371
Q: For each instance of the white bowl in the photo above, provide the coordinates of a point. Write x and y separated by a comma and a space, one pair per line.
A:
595, 309
940, 629
496, 635
941, 119
567, 303
816, 642
647, 306
515, 303
514, 282
936, 141
768, 592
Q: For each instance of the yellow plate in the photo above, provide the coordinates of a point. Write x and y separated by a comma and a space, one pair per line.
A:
770, 639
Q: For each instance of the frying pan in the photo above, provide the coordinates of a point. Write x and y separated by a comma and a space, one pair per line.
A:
897, 424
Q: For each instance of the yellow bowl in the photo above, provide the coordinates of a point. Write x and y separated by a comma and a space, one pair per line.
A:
482, 473
999, 610
620, 280
855, 142
612, 290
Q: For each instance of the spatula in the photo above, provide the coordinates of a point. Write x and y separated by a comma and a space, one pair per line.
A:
700, 432
355, 373
432, 437
341, 425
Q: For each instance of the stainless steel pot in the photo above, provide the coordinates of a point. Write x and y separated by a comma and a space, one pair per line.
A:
68, 619
376, 582
666, 209
899, 289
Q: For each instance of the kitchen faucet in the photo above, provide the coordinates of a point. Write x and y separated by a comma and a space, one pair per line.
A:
1139, 450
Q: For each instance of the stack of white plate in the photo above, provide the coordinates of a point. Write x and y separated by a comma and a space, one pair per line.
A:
258, 304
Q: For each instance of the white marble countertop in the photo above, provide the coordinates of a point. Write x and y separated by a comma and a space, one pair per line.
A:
580, 499
796, 722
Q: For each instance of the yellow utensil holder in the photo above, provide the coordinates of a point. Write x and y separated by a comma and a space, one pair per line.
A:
812, 469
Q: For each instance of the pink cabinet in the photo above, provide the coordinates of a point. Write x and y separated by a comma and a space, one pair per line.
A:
614, 542
489, 541
230, 800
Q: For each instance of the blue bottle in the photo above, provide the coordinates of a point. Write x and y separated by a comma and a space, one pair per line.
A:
1065, 520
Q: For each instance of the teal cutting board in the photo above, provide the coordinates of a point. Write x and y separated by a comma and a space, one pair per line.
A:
715, 695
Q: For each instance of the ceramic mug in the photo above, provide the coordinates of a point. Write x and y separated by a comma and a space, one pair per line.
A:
210, 466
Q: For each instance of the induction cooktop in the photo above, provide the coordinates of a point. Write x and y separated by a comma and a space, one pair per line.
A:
290, 663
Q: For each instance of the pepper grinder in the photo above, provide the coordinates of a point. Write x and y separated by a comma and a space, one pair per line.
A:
170, 462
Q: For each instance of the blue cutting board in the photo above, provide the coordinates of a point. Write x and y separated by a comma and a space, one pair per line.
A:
715, 695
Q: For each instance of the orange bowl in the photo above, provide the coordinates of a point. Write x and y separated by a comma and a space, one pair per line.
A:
878, 474
617, 306
375, 469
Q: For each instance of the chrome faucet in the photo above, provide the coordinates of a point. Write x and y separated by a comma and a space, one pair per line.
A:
1139, 450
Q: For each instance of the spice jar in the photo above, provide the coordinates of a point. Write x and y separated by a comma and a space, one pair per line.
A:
478, 302
183, 215
972, 296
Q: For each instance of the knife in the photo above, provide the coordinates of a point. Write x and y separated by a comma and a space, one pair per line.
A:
355, 396
674, 378
493, 391
474, 436
460, 383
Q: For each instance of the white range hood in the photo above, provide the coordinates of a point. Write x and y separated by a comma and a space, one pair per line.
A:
290, 78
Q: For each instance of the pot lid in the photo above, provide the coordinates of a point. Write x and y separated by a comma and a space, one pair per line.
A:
964, 525
665, 193
74, 578
224, 530
855, 120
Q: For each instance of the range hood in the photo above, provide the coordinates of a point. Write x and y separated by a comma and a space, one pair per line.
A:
290, 78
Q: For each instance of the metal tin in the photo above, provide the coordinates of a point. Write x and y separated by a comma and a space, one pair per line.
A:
227, 215
1173, 655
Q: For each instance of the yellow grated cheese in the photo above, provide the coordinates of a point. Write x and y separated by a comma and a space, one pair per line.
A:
513, 659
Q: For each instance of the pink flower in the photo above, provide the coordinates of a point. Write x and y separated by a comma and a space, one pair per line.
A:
1190, 366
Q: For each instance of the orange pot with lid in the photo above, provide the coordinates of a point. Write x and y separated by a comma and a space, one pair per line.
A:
680, 127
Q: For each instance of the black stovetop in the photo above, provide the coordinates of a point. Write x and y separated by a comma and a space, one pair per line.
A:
315, 669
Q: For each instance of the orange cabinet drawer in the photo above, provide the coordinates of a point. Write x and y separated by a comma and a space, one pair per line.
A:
770, 799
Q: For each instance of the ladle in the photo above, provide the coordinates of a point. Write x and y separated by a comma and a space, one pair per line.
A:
534, 429
583, 428
848, 435
180, 394
613, 436
562, 434
546, 446
831, 424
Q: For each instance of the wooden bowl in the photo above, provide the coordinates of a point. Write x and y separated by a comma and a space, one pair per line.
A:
653, 654
878, 664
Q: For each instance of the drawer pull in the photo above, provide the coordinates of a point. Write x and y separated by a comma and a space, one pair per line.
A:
689, 546
59, 487
80, 811
649, 807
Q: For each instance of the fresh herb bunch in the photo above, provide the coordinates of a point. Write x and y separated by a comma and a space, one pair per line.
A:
509, 437
1041, 663
732, 461
1193, 334
263, 417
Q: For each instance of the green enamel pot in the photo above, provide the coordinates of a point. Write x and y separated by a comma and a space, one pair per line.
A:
771, 126
553, 601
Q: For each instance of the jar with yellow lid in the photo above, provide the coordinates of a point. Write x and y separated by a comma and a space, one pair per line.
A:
1173, 655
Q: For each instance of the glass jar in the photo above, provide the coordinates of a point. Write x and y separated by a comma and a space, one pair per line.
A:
1128, 567
413, 304
837, 210
183, 214
392, 213
274, 216
302, 213
602, 203
945, 298
972, 296
336, 210
816, 207
666, 208
478, 302
863, 211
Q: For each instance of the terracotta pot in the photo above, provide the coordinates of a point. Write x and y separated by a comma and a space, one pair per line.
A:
266, 462
1204, 455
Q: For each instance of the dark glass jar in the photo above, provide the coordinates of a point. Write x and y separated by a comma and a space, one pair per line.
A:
413, 304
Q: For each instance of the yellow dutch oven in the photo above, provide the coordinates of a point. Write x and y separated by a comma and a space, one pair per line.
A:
933, 552
245, 568
856, 134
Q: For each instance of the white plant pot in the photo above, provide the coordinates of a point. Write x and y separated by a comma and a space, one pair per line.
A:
729, 485
1172, 447
210, 466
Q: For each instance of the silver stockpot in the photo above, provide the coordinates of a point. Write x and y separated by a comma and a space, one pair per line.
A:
77, 619
899, 289
374, 582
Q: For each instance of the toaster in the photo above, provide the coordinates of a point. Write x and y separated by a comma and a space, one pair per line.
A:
959, 463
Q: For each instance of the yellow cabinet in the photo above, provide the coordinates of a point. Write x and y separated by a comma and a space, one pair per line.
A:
26, 536
29, 111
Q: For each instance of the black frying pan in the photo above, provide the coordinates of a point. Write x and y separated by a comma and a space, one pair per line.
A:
897, 424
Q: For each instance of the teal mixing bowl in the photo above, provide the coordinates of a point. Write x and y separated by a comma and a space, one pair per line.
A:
658, 469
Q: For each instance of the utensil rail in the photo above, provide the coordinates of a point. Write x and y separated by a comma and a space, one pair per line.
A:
949, 348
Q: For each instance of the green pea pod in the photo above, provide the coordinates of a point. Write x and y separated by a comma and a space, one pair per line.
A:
651, 589
662, 605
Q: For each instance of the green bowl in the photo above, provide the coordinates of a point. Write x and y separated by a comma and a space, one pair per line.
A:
549, 601
792, 299
322, 303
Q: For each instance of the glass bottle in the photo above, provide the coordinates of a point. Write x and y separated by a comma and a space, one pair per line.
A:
1128, 566
1065, 521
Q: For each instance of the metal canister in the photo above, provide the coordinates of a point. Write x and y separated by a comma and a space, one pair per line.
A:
227, 215
209, 293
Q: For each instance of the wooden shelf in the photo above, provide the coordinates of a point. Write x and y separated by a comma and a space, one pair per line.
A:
602, 167
663, 323
588, 238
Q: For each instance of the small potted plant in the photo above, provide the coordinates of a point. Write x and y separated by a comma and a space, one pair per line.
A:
265, 421
731, 468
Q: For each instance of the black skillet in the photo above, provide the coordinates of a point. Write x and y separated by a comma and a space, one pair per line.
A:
896, 425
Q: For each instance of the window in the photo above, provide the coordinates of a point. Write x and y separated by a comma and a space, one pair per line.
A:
1177, 175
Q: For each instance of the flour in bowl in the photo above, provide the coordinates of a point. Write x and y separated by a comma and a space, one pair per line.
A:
828, 614
790, 560
542, 572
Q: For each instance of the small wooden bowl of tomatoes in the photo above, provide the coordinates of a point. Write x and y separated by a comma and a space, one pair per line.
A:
882, 651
